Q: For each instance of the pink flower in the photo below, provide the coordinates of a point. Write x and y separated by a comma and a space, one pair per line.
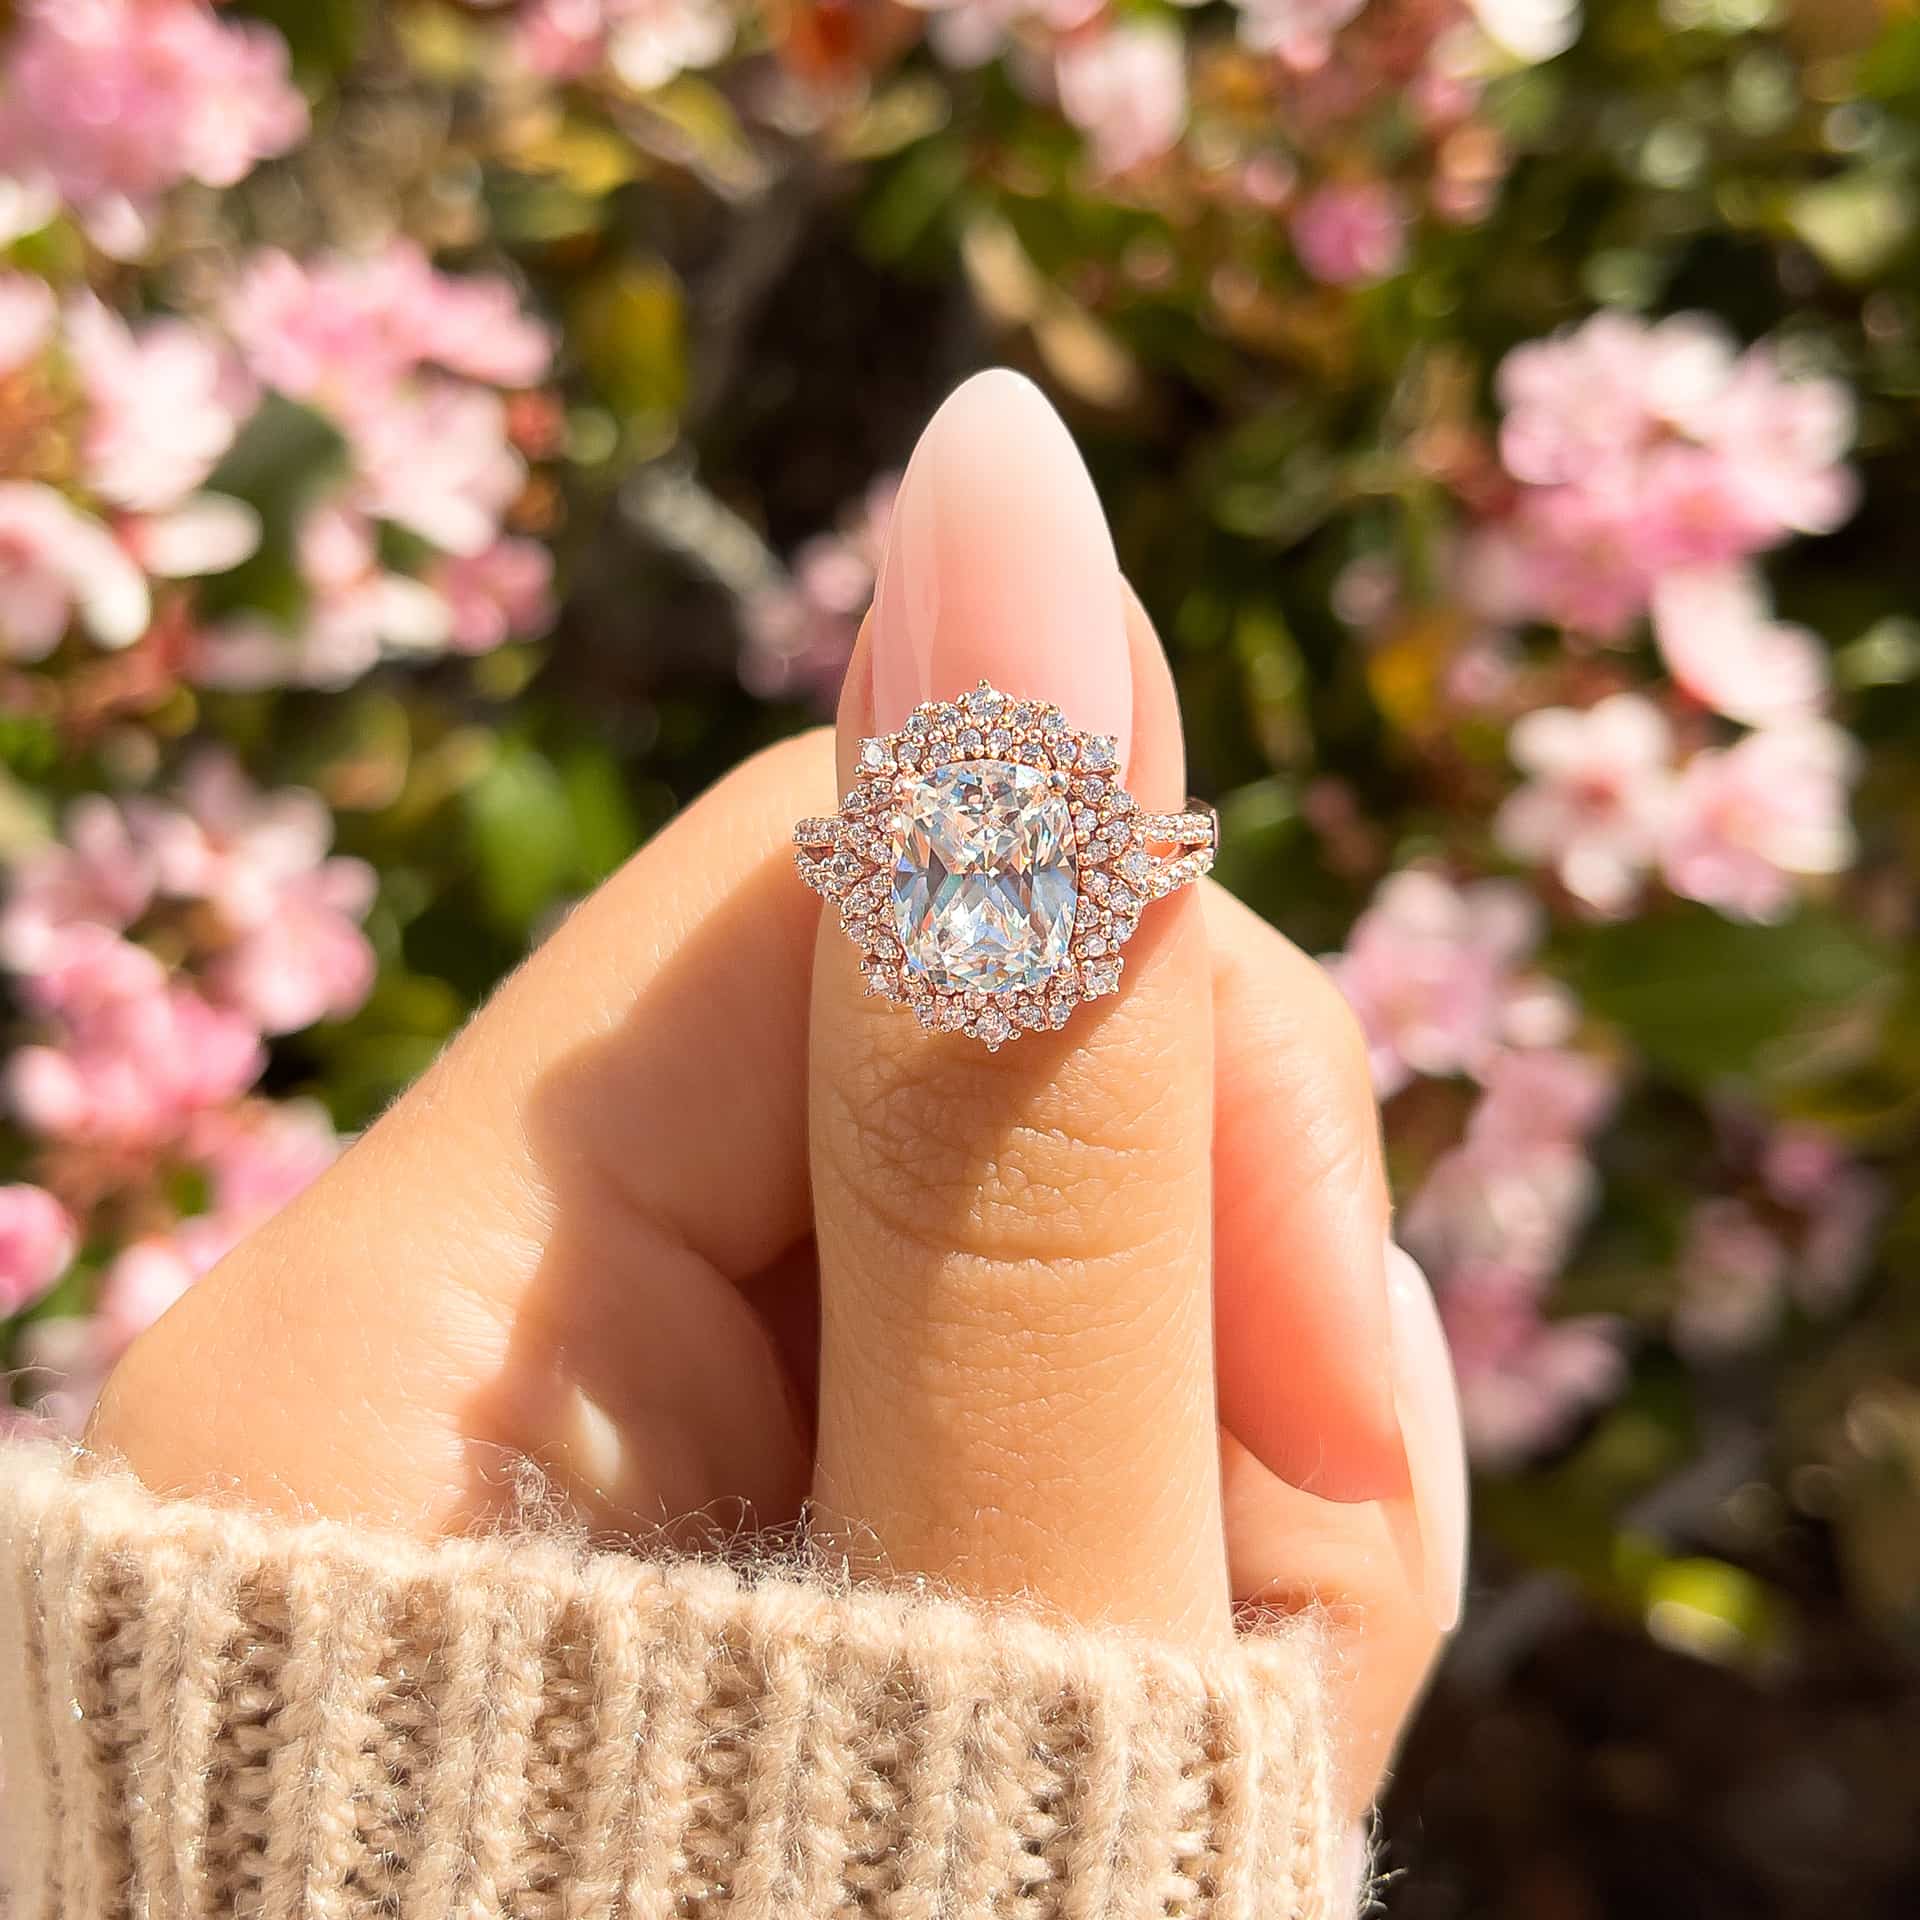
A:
1723, 647
799, 634
96, 875
345, 331
1525, 1381
118, 100
37, 1243
89, 966
1541, 1094
27, 314
257, 1156
358, 612
1432, 972
263, 1154
1646, 449
1569, 555
1514, 1194
163, 405
968, 33
470, 324
1750, 819
1126, 90
291, 951
132, 1069
496, 595
230, 844
55, 563
1301, 32
1351, 235
206, 533
1733, 1271
1786, 442
309, 960
647, 42
1596, 804
1585, 402
436, 461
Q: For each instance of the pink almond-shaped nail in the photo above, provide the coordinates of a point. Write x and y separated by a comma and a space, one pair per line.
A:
999, 566
1434, 1545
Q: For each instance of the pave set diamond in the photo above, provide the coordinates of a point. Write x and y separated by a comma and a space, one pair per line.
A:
989, 866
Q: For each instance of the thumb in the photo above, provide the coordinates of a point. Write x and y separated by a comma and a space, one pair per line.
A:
1016, 1369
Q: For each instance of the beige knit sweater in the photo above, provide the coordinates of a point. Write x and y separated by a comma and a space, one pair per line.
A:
205, 1713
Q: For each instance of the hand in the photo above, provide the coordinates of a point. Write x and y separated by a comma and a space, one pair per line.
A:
1108, 1319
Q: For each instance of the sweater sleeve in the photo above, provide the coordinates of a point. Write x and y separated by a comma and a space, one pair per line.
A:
204, 1712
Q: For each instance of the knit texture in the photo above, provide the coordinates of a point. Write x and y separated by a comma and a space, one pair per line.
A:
207, 1713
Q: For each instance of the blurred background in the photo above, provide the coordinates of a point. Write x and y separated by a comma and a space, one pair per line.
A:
439, 439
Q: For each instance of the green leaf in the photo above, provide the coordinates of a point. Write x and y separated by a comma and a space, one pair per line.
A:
285, 456
629, 328
520, 826
605, 826
1707, 999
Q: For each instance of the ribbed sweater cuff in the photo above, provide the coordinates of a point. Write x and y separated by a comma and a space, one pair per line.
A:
204, 1712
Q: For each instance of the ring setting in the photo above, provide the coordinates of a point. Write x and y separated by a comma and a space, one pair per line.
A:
989, 865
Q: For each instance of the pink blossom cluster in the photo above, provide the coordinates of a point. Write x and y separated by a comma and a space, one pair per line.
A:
1647, 450
159, 942
1125, 89
1653, 463
1740, 827
107, 104
37, 1245
254, 1156
1795, 1231
1439, 977
1493, 1224
408, 364
1121, 78
645, 43
156, 946
158, 405
799, 632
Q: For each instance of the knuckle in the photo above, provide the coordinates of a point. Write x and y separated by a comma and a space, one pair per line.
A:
942, 1157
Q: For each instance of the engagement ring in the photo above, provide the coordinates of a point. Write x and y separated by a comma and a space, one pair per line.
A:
989, 865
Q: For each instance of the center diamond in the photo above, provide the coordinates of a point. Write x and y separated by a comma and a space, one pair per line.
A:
985, 876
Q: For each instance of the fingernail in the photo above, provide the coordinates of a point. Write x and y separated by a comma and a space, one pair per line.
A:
1430, 1524
999, 566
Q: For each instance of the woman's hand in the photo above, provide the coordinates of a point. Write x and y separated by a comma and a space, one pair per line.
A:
1108, 1320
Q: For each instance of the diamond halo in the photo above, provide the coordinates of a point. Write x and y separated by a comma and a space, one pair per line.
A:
989, 866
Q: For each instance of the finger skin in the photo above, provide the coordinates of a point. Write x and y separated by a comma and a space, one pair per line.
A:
1301, 1214
1016, 1336
540, 1251
1305, 1347
1292, 1551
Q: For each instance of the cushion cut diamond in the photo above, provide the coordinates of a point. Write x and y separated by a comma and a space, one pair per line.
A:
985, 876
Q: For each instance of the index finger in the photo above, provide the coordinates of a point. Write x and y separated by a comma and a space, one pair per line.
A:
540, 1250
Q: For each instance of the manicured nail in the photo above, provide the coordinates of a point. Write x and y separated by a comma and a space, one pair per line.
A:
999, 566
1430, 1525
